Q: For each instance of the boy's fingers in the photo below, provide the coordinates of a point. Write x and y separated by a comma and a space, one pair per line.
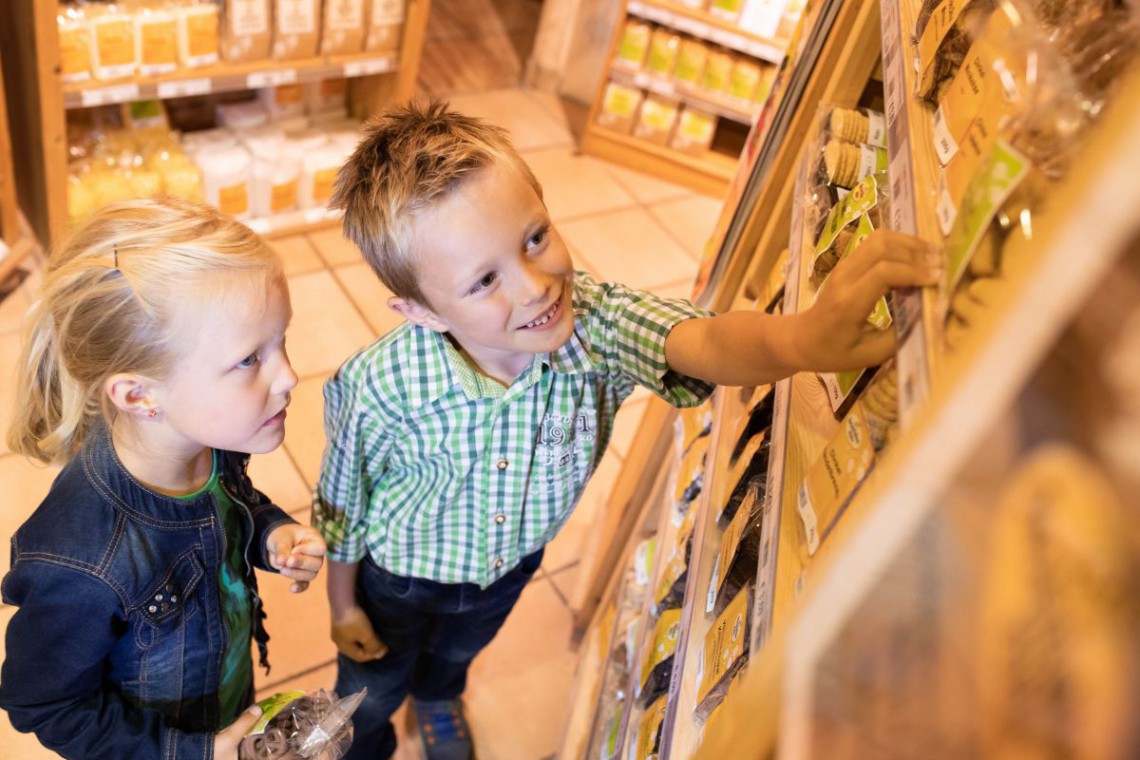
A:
883, 276
889, 246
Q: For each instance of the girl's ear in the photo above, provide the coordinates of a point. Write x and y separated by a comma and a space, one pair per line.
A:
417, 313
131, 394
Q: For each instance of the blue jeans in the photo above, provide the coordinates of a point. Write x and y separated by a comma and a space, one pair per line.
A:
433, 632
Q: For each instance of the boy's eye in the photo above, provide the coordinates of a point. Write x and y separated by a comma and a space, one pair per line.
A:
536, 239
485, 281
248, 362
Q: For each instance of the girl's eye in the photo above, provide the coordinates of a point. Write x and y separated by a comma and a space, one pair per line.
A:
485, 281
248, 362
537, 238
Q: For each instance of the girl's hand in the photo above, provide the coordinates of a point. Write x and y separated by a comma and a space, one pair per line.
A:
297, 552
226, 742
354, 636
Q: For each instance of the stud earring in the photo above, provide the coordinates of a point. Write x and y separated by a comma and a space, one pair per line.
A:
151, 413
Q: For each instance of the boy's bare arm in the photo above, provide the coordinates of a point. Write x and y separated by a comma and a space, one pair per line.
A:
753, 348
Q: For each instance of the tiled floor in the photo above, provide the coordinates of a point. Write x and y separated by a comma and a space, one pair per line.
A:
619, 225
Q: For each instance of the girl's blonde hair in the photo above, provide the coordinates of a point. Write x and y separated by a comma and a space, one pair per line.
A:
114, 300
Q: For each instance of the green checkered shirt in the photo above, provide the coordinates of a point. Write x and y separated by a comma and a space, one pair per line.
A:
441, 473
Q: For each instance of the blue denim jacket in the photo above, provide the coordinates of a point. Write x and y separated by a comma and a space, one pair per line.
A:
116, 648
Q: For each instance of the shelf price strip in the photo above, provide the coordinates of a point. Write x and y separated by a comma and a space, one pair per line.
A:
687, 25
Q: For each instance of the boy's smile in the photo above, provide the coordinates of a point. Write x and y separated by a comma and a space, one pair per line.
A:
495, 273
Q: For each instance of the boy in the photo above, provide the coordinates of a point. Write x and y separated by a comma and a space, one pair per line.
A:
460, 442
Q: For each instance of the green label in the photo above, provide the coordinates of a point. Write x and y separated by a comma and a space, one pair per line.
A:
996, 178
860, 200
270, 706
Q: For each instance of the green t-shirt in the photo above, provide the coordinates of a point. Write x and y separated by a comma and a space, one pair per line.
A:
237, 615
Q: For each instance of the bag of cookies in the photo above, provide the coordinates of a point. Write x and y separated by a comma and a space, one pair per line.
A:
298, 725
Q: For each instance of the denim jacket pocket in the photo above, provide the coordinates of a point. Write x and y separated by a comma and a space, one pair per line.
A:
172, 597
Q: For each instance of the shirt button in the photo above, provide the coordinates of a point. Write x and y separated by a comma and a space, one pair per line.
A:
498, 562
500, 518
501, 464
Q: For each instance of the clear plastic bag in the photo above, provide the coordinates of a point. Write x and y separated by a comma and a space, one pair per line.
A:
296, 726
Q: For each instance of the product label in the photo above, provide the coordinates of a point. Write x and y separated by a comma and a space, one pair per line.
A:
387, 12
73, 52
664, 643
234, 200
248, 18
283, 197
672, 571
323, 182
991, 185
871, 160
725, 642
344, 15
296, 17
114, 44
835, 476
877, 131
158, 48
648, 729
941, 22
643, 560
860, 200
270, 706
201, 30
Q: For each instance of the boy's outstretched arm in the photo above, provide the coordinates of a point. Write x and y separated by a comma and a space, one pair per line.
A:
752, 348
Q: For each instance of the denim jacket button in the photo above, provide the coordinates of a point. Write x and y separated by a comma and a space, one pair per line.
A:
152, 608
174, 598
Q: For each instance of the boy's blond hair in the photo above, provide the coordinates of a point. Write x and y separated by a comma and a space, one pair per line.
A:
119, 297
410, 158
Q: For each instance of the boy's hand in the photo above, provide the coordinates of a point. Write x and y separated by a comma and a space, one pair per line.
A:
354, 636
297, 552
226, 742
834, 333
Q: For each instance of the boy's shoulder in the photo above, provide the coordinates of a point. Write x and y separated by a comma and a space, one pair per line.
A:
398, 370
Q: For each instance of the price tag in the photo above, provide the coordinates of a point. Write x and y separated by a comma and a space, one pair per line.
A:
260, 226
184, 88
122, 93
272, 78
726, 38
318, 214
368, 67
689, 26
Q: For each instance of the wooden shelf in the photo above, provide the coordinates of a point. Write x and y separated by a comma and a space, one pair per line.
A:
709, 174
226, 78
742, 113
707, 27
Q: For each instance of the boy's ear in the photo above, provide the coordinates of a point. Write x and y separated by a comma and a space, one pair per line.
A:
131, 394
416, 313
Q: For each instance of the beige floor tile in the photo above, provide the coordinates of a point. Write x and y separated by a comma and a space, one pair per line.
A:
531, 125
574, 185
298, 254
691, 221
535, 632
275, 475
304, 430
333, 247
629, 247
567, 546
625, 427
298, 626
552, 104
369, 295
682, 288
24, 486
326, 328
566, 582
647, 188
522, 716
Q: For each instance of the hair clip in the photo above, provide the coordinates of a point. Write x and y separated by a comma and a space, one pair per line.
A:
115, 249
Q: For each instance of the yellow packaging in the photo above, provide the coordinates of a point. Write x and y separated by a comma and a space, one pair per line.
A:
619, 107
948, 15
198, 41
296, 29
634, 43
245, 31
234, 200
343, 30
692, 56
694, 131
663, 645
649, 729
745, 79
74, 45
725, 643
385, 26
718, 72
112, 44
664, 47
283, 197
831, 481
156, 35
323, 182
655, 120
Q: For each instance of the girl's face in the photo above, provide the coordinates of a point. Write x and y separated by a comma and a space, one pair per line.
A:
230, 385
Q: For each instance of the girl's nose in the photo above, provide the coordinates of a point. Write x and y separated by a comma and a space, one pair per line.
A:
285, 379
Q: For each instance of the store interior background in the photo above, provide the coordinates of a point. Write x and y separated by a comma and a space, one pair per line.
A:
619, 225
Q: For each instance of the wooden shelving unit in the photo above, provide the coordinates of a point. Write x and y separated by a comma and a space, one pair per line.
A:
15, 242
711, 172
28, 32
884, 635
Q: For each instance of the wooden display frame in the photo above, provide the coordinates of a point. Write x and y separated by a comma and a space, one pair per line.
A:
28, 27
15, 243
712, 172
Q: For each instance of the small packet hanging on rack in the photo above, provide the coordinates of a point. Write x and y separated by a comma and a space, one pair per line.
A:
649, 730
657, 661
944, 42
725, 652
739, 554
298, 725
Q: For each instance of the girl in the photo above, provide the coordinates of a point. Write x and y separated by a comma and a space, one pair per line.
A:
155, 365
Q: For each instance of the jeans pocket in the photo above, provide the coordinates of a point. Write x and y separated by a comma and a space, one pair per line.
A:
381, 584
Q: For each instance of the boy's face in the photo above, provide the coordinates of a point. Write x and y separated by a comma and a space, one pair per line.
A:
495, 272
